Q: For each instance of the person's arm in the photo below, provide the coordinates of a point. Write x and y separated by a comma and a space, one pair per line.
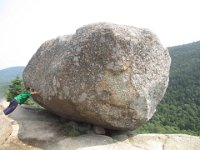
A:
33, 92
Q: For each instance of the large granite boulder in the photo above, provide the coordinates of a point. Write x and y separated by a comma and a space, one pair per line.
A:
106, 74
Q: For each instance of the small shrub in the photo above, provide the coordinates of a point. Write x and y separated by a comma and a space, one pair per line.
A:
75, 129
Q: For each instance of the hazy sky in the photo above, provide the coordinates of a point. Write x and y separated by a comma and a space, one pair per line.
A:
26, 24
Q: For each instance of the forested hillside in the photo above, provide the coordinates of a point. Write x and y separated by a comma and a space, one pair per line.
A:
179, 112
8, 74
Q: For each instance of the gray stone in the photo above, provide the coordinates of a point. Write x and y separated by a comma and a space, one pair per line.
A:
5, 127
48, 136
166, 142
110, 75
120, 137
83, 141
99, 130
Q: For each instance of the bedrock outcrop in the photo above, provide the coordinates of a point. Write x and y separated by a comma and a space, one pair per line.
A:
105, 74
36, 129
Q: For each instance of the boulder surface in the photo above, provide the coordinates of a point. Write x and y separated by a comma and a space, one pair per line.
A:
106, 74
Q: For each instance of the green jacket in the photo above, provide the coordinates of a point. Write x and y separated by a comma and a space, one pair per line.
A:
21, 98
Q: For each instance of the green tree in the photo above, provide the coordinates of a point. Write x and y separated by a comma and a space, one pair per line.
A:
15, 88
179, 111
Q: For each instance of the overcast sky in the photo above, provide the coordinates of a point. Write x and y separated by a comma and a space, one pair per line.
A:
26, 24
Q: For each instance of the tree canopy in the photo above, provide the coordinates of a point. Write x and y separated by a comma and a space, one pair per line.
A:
179, 111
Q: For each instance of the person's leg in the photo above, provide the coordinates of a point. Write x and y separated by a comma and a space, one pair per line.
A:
12, 106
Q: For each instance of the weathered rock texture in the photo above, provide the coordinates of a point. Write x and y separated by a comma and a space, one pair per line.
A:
5, 127
36, 129
106, 74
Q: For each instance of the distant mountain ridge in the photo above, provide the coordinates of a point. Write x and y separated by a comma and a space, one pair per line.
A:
7, 75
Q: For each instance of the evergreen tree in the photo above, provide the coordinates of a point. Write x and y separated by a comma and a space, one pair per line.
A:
15, 88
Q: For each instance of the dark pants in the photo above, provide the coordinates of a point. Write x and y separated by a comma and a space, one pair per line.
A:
12, 106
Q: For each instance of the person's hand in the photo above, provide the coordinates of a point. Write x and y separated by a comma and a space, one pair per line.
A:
36, 92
